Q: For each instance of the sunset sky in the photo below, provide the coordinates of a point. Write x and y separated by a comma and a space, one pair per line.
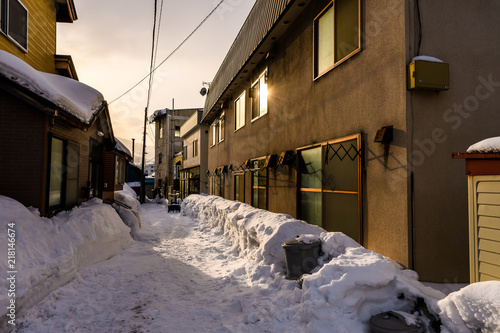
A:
111, 47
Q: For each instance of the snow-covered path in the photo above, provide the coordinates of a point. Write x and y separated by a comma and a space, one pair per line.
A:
174, 278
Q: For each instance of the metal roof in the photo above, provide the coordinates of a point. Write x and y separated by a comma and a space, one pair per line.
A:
261, 20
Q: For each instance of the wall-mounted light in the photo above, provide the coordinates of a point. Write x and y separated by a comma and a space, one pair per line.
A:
100, 133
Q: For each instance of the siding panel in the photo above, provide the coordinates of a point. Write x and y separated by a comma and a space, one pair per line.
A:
487, 222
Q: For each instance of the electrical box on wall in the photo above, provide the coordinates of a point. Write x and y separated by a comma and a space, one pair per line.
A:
428, 75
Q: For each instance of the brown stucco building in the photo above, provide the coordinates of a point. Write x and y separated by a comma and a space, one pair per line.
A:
168, 143
57, 147
300, 104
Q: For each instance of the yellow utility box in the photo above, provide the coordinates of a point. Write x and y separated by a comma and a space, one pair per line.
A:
428, 75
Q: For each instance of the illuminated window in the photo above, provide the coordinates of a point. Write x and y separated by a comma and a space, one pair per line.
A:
239, 111
337, 34
221, 127
215, 131
259, 96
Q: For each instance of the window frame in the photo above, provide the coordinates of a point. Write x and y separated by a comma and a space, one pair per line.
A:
221, 127
69, 172
261, 78
195, 148
321, 190
258, 165
5, 23
316, 73
215, 130
241, 113
240, 185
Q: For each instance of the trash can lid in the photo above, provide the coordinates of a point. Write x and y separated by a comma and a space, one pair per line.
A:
301, 242
392, 321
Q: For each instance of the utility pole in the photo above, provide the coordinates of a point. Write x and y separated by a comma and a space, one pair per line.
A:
133, 150
143, 178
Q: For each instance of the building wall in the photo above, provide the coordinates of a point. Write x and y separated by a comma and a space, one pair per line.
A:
360, 96
41, 36
22, 151
464, 34
163, 145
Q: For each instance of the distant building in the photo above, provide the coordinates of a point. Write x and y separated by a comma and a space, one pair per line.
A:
193, 176
168, 143
149, 169
329, 111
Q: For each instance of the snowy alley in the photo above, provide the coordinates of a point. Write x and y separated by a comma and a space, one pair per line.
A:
218, 266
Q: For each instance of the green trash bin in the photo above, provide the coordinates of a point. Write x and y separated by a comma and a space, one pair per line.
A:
301, 257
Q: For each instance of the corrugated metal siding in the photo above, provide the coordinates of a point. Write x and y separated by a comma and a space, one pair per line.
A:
260, 21
488, 230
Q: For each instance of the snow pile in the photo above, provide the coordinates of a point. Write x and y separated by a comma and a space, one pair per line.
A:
129, 216
351, 285
256, 234
356, 285
70, 95
49, 252
475, 308
491, 145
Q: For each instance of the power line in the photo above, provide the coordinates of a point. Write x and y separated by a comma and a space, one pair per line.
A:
171, 53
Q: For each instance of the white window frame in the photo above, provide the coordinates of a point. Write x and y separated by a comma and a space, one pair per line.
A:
221, 127
215, 132
239, 111
4, 23
262, 82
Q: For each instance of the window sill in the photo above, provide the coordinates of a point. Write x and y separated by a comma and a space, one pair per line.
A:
257, 118
236, 130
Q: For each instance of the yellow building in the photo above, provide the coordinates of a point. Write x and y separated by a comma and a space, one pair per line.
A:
28, 31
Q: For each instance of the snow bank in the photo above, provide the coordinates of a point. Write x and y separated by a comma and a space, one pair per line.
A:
70, 95
475, 308
256, 234
49, 252
491, 145
129, 216
351, 285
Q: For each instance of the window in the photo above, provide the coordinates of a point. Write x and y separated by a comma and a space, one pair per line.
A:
259, 185
160, 126
337, 34
239, 188
330, 186
221, 127
239, 111
177, 131
217, 183
63, 173
195, 148
259, 96
185, 152
215, 131
14, 22
120, 170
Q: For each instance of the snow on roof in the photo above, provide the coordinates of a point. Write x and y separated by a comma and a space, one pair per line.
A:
74, 97
491, 145
121, 147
